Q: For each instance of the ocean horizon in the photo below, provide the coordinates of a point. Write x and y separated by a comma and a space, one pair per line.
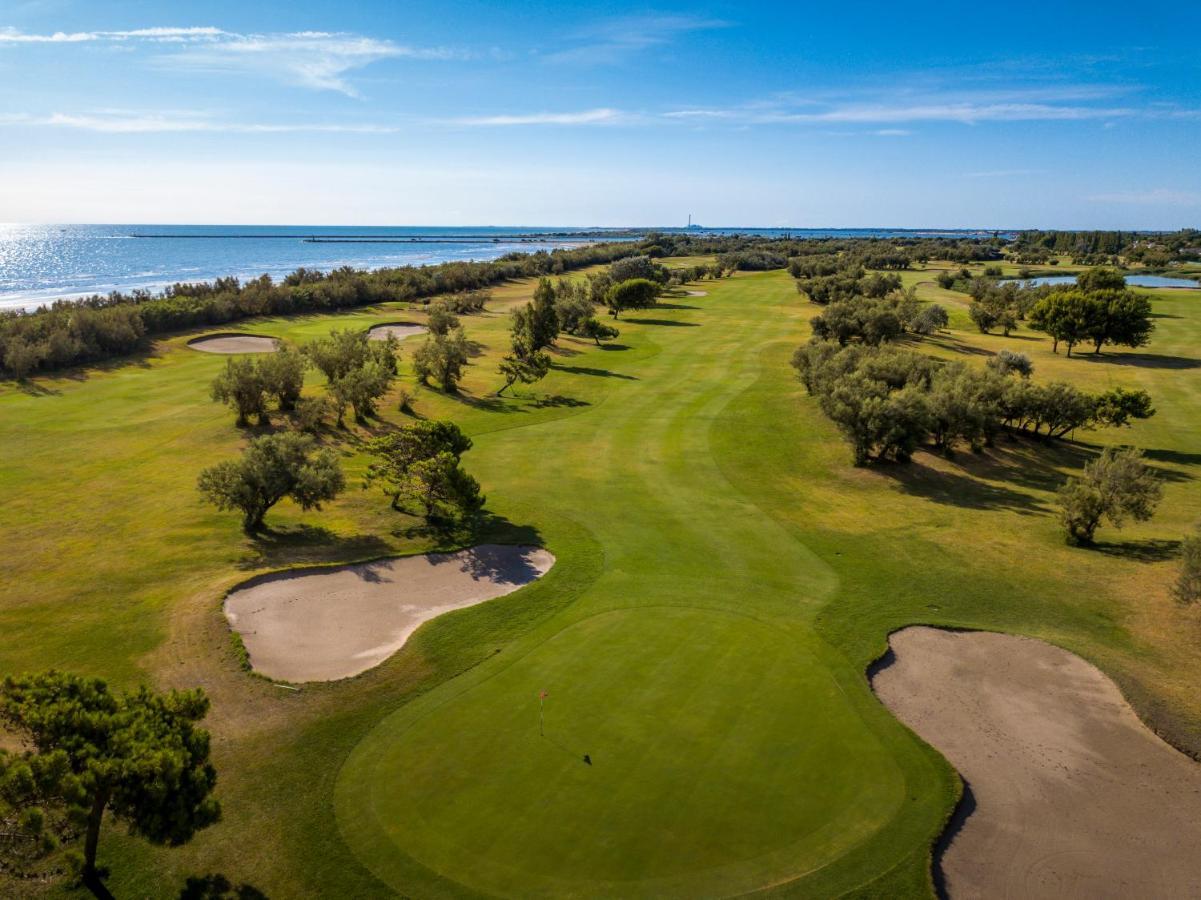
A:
43, 263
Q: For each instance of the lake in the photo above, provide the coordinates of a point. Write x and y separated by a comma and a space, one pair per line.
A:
1147, 281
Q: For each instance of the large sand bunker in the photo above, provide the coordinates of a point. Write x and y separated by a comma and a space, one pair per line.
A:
235, 343
697, 293
1067, 793
333, 623
399, 330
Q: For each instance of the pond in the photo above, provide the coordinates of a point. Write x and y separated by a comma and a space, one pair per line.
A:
1147, 281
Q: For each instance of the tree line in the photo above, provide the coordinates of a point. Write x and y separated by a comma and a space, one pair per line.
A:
69, 333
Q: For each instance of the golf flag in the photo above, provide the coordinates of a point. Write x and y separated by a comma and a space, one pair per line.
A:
542, 695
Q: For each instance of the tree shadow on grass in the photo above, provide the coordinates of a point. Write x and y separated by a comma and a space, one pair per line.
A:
662, 305
1148, 551
1142, 360
588, 370
33, 389
487, 403
558, 400
1178, 457
1025, 461
949, 343
669, 322
615, 346
496, 529
218, 887
958, 488
303, 544
95, 884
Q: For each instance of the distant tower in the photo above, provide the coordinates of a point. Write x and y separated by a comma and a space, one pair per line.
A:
690, 220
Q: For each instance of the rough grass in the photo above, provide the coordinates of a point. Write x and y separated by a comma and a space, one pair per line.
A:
723, 578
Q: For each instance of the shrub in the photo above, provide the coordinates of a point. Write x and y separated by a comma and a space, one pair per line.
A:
1187, 588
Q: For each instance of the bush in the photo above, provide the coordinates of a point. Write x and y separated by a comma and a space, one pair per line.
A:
1007, 362
1187, 588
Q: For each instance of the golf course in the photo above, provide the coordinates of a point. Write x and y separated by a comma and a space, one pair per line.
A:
680, 706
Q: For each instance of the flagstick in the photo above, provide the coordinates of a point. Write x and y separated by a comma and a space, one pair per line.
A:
541, 703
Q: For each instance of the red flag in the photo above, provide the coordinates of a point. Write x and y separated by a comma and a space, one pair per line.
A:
542, 695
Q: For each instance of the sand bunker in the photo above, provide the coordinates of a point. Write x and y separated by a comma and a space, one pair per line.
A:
1068, 794
400, 330
333, 623
697, 293
235, 343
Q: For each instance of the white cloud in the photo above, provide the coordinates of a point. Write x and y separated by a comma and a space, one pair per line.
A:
313, 59
611, 40
13, 36
967, 113
121, 122
586, 117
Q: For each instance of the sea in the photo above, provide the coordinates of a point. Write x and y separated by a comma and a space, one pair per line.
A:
43, 263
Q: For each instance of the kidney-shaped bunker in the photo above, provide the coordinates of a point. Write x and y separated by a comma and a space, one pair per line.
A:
322, 625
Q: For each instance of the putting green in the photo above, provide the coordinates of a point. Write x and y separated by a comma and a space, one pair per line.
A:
722, 759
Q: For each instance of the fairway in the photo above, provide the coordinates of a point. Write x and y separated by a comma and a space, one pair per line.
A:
725, 755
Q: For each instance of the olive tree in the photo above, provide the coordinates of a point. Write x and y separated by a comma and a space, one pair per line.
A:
1115, 486
442, 357
573, 305
274, 466
240, 386
137, 756
282, 376
343, 351
442, 319
929, 319
361, 389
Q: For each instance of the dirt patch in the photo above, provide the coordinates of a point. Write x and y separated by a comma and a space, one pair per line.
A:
1067, 794
235, 343
400, 330
333, 623
697, 293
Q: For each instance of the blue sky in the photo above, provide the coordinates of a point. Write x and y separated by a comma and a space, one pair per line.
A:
777, 114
